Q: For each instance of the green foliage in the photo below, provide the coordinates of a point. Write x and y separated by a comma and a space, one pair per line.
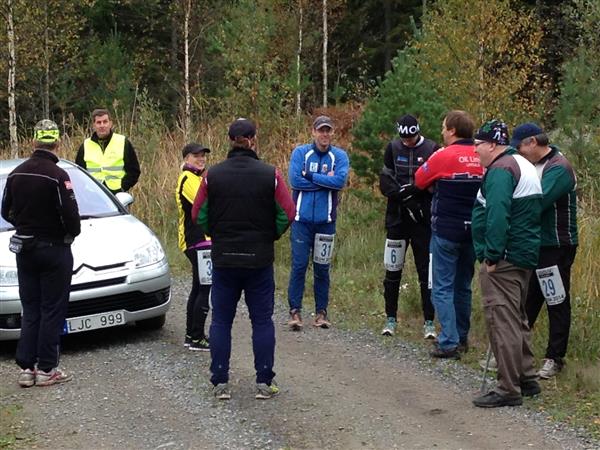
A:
578, 114
403, 91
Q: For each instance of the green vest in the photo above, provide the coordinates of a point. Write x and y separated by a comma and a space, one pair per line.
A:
106, 166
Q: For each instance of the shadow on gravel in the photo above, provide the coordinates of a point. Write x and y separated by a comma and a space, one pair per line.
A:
93, 340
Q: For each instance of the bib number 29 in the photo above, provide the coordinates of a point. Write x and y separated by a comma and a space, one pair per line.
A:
323, 248
204, 267
551, 285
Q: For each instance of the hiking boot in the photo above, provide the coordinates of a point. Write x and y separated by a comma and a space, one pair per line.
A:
492, 366
321, 320
265, 391
429, 330
390, 327
221, 391
530, 388
26, 378
201, 345
295, 322
54, 376
463, 347
187, 341
445, 354
549, 369
494, 400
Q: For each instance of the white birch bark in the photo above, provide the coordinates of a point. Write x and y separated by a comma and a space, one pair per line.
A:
325, 38
298, 74
188, 102
12, 64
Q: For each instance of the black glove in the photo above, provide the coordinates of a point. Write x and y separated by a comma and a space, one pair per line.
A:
407, 192
414, 210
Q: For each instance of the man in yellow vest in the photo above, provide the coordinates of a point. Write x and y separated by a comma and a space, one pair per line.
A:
109, 156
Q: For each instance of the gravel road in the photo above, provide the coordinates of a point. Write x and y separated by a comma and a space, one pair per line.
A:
340, 390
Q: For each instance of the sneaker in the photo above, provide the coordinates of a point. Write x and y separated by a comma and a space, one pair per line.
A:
445, 354
321, 320
295, 322
549, 369
494, 400
187, 341
26, 378
390, 327
492, 366
201, 345
429, 330
530, 388
265, 391
55, 376
221, 391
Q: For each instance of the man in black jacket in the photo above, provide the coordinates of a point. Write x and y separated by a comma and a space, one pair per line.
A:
244, 206
407, 219
39, 201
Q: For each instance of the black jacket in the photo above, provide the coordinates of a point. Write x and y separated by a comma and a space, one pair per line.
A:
39, 200
131, 165
399, 166
242, 209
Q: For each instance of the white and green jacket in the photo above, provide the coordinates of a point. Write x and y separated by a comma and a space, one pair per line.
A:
506, 221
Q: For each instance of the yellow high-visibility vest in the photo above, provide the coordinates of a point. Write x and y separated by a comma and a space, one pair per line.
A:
107, 166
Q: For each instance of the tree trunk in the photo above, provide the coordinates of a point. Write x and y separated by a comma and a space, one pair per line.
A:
46, 95
186, 33
387, 28
325, 38
298, 54
12, 64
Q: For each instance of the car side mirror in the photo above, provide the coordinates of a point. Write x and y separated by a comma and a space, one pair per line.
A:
125, 198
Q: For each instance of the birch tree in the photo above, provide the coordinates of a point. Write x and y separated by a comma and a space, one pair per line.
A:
298, 54
12, 64
187, 123
325, 38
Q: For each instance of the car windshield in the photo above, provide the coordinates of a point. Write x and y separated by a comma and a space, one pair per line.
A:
92, 200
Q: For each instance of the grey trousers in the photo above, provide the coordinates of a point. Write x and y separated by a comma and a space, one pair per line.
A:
503, 294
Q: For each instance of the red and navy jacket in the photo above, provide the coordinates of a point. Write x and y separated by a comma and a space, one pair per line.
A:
244, 205
455, 174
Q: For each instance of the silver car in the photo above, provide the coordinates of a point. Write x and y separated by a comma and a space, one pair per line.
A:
120, 271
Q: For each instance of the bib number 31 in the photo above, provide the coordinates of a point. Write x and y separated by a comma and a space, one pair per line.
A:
551, 285
323, 248
204, 267
393, 255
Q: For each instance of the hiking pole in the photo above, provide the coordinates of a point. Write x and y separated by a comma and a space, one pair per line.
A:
485, 369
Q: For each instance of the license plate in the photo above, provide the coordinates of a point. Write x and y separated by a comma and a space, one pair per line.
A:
94, 321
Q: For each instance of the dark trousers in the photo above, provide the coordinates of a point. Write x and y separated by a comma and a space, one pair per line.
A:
197, 304
44, 284
418, 237
559, 316
258, 286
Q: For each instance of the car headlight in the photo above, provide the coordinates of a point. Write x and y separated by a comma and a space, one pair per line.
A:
149, 254
8, 276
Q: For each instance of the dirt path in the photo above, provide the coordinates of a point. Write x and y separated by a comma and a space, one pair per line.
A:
340, 390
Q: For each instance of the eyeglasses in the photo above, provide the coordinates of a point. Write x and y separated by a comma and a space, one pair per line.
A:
478, 143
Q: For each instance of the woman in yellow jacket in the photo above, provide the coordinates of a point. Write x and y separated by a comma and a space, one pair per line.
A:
194, 244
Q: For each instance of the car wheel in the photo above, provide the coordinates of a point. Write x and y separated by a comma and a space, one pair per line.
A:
155, 323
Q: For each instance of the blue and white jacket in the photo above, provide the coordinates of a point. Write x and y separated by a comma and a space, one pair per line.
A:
315, 178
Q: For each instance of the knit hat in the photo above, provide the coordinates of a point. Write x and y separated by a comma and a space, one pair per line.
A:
407, 126
493, 131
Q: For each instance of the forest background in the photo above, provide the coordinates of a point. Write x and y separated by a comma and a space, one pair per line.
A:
176, 71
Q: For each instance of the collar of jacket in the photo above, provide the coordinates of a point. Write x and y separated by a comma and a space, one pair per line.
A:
46, 154
553, 151
241, 151
464, 142
193, 169
318, 150
97, 140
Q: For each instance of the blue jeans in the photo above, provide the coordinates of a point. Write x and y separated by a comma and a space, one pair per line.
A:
259, 292
302, 238
452, 272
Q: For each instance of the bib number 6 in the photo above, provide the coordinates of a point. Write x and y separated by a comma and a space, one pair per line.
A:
393, 256
323, 248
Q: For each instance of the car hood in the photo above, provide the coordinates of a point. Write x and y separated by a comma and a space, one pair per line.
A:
106, 241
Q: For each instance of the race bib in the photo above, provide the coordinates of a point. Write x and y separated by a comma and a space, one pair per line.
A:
323, 248
393, 255
204, 266
551, 285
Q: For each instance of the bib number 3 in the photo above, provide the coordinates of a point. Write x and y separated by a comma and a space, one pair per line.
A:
323, 248
204, 267
551, 285
393, 255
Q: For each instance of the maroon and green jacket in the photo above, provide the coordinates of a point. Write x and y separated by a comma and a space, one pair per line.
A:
244, 205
